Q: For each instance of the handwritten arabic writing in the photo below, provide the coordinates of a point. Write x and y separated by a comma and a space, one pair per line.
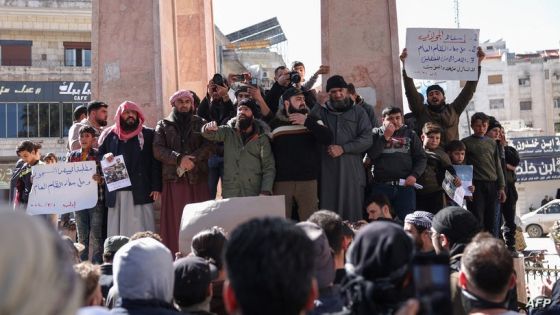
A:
447, 54
61, 188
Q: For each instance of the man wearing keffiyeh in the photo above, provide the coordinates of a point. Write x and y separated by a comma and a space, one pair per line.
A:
184, 153
131, 208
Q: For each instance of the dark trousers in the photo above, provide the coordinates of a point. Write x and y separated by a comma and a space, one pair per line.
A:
431, 202
508, 211
215, 172
483, 205
89, 224
403, 199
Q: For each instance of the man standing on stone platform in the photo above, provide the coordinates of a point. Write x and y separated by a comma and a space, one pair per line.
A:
131, 208
437, 110
184, 153
342, 175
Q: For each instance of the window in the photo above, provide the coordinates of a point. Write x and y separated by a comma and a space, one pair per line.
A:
556, 127
497, 103
495, 79
529, 124
16, 52
77, 54
30, 120
555, 208
525, 105
524, 82
557, 102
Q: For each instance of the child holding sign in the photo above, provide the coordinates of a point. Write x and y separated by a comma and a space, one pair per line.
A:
90, 220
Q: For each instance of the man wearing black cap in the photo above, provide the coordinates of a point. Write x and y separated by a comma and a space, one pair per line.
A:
192, 290
343, 179
378, 269
248, 160
96, 118
296, 143
436, 110
452, 229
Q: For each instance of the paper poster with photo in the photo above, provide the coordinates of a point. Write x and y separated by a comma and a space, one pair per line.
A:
454, 192
442, 53
465, 173
62, 187
115, 173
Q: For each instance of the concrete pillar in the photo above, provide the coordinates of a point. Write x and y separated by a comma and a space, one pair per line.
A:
145, 50
360, 42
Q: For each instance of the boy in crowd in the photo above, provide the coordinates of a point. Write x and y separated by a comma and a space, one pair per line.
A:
431, 198
29, 153
482, 153
90, 220
398, 160
456, 151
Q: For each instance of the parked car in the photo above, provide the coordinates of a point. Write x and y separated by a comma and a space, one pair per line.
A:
539, 222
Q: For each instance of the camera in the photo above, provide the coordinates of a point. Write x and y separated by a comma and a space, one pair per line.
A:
295, 78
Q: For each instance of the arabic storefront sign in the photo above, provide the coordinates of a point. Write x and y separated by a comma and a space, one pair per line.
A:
538, 168
536, 145
45, 91
62, 187
442, 53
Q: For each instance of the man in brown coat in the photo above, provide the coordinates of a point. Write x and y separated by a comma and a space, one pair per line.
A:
437, 110
184, 153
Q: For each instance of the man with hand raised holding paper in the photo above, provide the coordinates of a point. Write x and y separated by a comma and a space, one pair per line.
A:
437, 110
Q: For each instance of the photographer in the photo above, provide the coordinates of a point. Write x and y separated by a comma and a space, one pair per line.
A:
285, 79
218, 107
299, 67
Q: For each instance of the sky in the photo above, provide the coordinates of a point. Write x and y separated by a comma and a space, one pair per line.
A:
525, 25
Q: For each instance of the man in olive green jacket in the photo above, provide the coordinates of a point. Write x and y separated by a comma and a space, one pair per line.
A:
437, 110
248, 160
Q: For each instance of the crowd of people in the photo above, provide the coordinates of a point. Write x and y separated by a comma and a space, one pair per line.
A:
380, 180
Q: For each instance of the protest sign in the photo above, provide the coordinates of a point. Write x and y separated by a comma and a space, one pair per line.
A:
442, 53
226, 213
454, 192
465, 173
62, 187
115, 173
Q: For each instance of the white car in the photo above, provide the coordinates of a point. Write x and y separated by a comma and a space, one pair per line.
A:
539, 222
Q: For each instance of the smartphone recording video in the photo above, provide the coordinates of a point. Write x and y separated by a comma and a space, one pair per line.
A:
432, 284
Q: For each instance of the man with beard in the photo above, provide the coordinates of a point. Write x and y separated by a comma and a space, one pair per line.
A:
418, 224
296, 143
218, 107
131, 208
96, 118
184, 154
437, 111
342, 176
452, 229
248, 160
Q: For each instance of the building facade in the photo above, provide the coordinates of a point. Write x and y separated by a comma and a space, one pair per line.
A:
45, 73
523, 92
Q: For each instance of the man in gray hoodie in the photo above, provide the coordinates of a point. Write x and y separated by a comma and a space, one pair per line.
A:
144, 278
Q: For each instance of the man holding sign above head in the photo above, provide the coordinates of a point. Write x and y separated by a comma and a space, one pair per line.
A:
131, 207
437, 110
